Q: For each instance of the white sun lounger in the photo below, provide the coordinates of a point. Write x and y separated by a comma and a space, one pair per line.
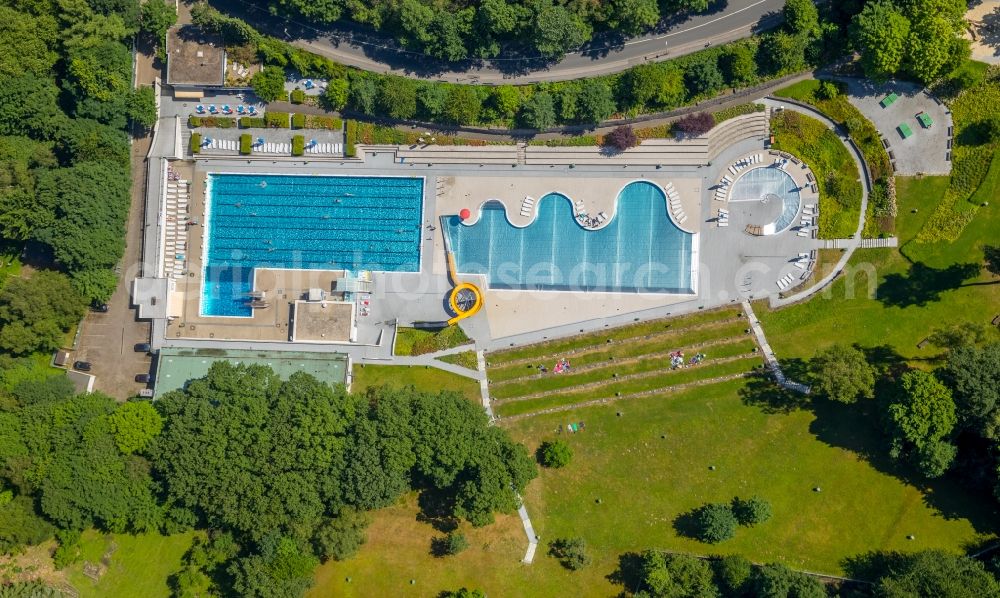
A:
802, 233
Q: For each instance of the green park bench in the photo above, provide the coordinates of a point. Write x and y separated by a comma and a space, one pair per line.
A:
905, 130
888, 100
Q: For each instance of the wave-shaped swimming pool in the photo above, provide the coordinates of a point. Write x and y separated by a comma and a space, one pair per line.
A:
304, 222
639, 250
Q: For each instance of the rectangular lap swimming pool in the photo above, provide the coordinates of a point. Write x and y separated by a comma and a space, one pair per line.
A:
639, 250
307, 223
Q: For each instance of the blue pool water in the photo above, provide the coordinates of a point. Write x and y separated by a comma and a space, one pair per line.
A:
762, 182
639, 250
305, 222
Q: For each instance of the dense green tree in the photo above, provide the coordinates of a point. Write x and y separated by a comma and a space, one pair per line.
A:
973, 374
28, 43
881, 32
703, 77
929, 47
95, 286
554, 453
920, 414
28, 106
715, 522
36, 312
739, 65
448, 32
281, 570
463, 105
156, 16
398, 97
570, 552
364, 92
782, 52
505, 100
778, 581
451, 544
675, 575
733, 573
652, 85
934, 573
596, 103
537, 112
20, 526
142, 107
432, 99
842, 373
751, 511
269, 84
801, 16
339, 538
134, 426
337, 93
558, 30
632, 17
287, 476
935, 457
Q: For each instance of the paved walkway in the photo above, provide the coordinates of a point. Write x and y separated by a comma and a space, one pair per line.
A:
371, 51
866, 186
864, 244
769, 357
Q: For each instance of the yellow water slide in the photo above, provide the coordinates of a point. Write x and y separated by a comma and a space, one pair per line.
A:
465, 299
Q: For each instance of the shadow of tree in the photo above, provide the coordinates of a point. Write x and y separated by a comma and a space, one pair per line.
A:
436, 510
686, 524
923, 284
762, 391
628, 574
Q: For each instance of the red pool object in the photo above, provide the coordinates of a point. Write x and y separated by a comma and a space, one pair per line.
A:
464, 214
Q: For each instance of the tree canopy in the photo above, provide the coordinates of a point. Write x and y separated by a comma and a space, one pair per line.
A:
842, 373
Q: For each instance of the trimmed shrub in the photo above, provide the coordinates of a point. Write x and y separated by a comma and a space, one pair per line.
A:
298, 121
195, 143
276, 120
298, 96
350, 139
246, 144
252, 122
571, 552
695, 124
751, 511
194, 121
554, 454
621, 138
330, 123
298, 145
715, 523
450, 545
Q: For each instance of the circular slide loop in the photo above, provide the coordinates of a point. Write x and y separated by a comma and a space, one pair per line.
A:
465, 300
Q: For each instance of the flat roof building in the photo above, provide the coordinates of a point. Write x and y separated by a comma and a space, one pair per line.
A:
175, 367
194, 58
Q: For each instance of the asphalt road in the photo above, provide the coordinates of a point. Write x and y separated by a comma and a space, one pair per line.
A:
355, 47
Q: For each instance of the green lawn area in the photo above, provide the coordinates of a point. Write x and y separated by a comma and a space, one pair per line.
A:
836, 173
422, 377
414, 341
911, 300
650, 465
140, 565
466, 359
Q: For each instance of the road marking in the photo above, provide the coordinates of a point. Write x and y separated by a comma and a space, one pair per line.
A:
715, 20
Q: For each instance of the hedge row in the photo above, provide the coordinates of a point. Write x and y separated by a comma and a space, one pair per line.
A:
298, 145
246, 144
195, 143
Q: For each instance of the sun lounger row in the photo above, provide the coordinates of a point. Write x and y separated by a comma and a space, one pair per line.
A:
273, 148
744, 162
785, 281
325, 148
222, 144
723, 217
674, 199
527, 205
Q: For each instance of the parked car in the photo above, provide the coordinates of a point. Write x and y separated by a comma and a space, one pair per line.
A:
142, 348
144, 378
83, 366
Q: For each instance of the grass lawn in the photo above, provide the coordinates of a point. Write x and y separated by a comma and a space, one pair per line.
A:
836, 173
645, 481
423, 378
466, 359
140, 565
910, 301
414, 341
